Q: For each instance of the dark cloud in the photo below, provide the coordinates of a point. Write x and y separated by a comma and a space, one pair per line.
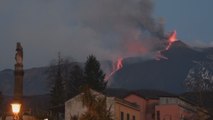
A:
76, 28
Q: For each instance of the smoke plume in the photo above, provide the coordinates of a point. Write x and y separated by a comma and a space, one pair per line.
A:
77, 28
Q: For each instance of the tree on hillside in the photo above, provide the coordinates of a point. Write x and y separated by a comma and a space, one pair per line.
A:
65, 76
94, 76
56, 76
94, 79
76, 80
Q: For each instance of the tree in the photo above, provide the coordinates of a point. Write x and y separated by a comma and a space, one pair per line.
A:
76, 80
57, 83
56, 75
96, 106
94, 76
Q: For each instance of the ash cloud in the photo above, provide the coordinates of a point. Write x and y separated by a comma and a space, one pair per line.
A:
77, 28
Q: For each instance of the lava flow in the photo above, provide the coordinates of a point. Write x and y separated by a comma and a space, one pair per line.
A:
116, 67
171, 39
119, 64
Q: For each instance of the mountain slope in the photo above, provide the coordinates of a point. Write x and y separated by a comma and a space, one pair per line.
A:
137, 73
165, 74
35, 81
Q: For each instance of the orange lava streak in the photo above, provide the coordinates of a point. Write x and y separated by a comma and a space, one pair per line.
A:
116, 67
119, 64
172, 38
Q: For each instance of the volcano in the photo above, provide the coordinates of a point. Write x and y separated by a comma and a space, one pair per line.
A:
136, 72
164, 74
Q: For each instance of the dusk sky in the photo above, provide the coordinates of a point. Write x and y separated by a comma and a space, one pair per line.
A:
106, 28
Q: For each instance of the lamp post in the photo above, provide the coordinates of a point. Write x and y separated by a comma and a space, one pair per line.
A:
16, 107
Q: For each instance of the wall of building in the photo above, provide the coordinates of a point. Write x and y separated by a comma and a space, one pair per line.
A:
168, 112
150, 109
139, 101
126, 110
110, 101
74, 107
147, 106
178, 101
175, 108
167, 108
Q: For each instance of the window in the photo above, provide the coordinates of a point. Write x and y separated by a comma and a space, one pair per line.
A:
158, 115
133, 117
167, 101
127, 116
122, 116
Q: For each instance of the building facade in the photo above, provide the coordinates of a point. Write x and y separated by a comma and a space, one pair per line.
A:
175, 108
137, 107
120, 109
147, 105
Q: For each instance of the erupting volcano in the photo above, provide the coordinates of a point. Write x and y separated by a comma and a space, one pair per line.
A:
172, 37
117, 66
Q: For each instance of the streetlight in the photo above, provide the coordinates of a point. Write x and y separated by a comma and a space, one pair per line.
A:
16, 107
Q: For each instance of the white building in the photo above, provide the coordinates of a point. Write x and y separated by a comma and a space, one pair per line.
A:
120, 109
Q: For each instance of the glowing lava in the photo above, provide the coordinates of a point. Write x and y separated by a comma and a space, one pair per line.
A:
171, 39
117, 66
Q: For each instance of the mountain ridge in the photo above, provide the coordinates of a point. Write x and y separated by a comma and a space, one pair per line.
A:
163, 74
